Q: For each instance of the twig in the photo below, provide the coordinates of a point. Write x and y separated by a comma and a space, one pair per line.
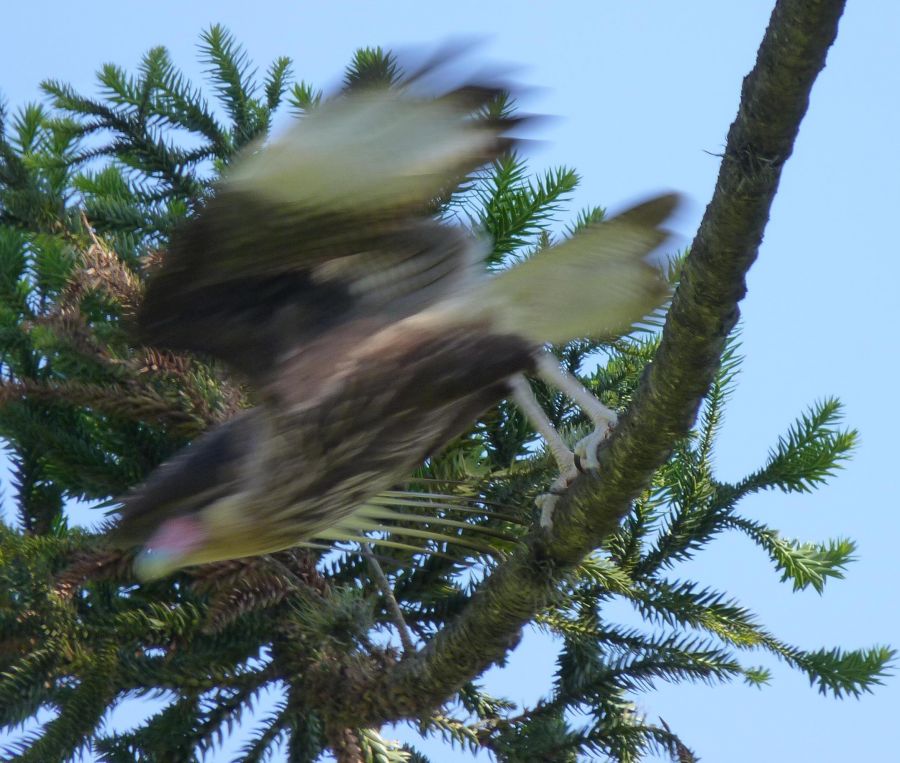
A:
393, 607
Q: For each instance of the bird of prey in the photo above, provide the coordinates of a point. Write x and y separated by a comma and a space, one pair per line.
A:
368, 329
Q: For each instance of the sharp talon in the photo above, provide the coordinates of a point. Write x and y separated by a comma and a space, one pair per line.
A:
586, 450
578, 465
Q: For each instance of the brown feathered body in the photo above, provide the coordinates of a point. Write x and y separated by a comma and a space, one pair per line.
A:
288, 471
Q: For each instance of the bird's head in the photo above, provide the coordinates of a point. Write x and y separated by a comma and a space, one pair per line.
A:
174, 545
216, 532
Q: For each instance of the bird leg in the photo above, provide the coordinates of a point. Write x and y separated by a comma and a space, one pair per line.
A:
565, 459
585, 455
604, 419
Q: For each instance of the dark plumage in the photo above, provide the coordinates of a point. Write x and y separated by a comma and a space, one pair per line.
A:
367, 327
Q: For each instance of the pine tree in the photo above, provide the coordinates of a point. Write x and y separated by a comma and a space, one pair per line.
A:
90, 187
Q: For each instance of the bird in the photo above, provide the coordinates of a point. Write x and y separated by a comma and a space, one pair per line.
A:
367, 326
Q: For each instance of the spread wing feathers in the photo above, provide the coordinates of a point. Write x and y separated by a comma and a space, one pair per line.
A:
329, 219
380, 514
376, 150
596, 283
390, 513
213, 466
449, 501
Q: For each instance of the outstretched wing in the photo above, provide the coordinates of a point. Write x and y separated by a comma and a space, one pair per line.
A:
598, 282
329, 221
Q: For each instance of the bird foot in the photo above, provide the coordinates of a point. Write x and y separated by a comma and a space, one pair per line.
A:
584, 459
546, 502
586, 449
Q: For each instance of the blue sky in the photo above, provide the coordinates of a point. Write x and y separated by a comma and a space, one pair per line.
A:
644, 92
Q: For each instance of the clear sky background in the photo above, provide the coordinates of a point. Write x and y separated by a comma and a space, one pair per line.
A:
645, 92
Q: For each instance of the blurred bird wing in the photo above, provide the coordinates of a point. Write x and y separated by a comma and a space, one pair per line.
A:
375, 150
330, 219
596, 283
